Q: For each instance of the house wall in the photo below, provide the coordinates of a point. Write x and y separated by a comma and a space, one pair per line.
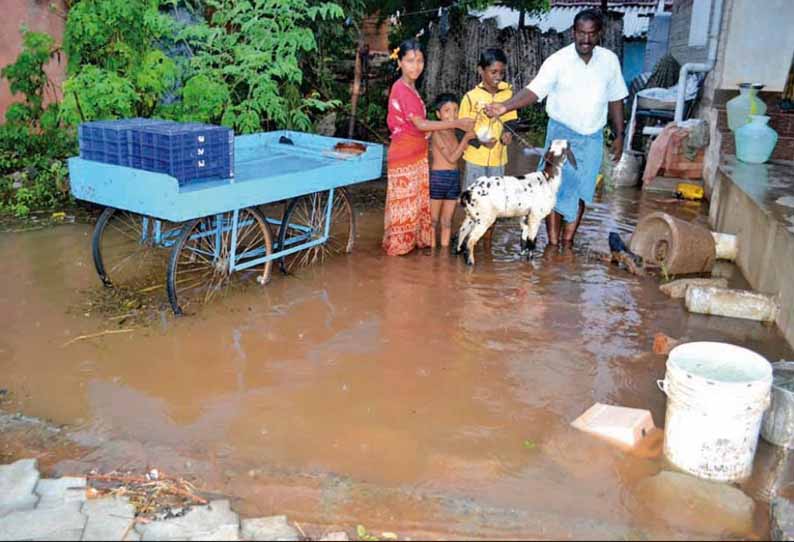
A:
680, 26
755, 45
759, 44
37, 16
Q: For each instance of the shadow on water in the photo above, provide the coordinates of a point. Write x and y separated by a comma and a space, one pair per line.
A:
411, 393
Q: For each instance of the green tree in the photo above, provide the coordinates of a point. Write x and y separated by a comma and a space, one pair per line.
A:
246, 63
116, 68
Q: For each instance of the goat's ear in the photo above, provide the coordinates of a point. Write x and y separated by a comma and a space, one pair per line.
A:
548, 157
571, 157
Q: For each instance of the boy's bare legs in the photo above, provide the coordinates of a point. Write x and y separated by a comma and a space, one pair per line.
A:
435, 211
569, 231
448, 207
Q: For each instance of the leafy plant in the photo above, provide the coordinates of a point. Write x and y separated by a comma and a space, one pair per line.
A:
33, 143
26, 76
116, 68
247, 64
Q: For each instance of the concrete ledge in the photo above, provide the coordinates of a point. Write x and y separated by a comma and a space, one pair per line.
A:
745, 201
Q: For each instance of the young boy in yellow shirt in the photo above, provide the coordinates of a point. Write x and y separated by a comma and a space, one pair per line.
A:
489, 158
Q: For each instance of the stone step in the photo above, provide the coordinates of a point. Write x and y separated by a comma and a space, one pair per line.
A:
17, 482
216, 521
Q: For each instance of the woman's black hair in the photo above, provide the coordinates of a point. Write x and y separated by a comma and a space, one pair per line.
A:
407, 46
591, 15
491, 55
444, 98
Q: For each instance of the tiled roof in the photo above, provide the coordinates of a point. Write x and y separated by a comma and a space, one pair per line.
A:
560, 16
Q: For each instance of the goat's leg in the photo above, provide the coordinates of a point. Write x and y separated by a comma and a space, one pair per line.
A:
529, 233
480, 227
463, 233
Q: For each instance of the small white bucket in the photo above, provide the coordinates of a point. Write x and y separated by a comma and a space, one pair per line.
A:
716, 397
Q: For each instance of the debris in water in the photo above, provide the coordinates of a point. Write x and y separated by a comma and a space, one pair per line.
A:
620, 425
154, 495
662, 344
677, 288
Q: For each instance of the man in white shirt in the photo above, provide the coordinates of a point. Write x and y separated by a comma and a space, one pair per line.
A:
581, 83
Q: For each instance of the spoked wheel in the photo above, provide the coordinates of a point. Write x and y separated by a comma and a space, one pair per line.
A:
131, 248
199, 267
304, 220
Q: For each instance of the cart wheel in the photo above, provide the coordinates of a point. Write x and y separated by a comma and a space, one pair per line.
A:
309, 212
198, 268
125, 250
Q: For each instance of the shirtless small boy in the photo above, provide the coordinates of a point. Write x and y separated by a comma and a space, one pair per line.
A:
444, 174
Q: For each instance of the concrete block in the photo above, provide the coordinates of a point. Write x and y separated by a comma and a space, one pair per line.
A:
271, 528
108, 519
57, 523
56, 492
17, 482
215, 521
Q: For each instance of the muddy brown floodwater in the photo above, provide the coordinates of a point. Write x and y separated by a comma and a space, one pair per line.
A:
408, 394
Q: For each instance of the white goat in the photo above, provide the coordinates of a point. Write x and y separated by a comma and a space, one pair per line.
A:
531, 196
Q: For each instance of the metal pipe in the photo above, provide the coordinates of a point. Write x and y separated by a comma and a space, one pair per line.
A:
694, 67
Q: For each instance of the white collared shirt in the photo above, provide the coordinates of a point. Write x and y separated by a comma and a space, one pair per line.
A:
578, 93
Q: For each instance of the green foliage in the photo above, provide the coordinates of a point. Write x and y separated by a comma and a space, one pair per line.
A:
536, 118
33, 173
33, 144
247, 70
116, 68
26, 76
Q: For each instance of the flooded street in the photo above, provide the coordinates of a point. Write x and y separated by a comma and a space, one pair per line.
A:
412, 394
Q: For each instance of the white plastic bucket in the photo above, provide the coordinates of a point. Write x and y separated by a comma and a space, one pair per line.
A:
716, 397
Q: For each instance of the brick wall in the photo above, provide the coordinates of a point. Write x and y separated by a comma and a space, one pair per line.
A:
37, 16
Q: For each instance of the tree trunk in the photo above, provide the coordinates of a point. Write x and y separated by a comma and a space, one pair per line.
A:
522, 17
356, 92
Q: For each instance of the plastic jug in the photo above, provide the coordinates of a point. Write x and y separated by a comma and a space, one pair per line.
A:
755, 141
745, 104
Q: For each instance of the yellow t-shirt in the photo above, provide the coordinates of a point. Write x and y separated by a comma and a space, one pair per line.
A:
472, 102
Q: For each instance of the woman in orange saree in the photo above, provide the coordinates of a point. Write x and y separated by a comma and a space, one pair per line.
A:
407, 223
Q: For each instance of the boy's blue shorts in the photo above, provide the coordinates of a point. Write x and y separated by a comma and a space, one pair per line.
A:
444, 184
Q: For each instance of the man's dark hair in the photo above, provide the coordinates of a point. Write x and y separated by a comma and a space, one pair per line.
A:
591, 15
491, 55
444, 98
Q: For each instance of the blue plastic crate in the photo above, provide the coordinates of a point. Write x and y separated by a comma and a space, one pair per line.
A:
110, 141
185, 151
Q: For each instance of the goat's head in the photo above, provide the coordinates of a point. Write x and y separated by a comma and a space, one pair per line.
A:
555, 157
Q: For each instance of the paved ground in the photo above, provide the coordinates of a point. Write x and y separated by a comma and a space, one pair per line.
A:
32, 508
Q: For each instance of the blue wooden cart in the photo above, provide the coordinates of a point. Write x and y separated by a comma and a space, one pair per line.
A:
205, 231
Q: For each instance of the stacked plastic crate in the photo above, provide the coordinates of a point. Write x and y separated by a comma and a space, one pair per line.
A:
109, 141
186, 151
